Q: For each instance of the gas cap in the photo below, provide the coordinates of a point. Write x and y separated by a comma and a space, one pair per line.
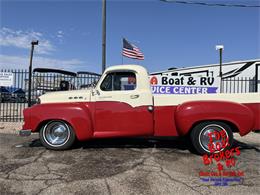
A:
150, 108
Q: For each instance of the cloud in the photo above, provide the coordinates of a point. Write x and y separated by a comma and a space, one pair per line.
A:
60, 34
22, 62
22, 39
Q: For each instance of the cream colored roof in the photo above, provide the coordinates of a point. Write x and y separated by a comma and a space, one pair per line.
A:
136, 68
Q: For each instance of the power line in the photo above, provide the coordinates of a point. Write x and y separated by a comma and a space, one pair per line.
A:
212, 4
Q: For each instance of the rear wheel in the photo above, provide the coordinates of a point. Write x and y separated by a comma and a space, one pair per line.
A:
57, 135
211, 137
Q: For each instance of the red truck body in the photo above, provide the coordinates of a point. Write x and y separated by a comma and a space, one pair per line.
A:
122, 120
102, 114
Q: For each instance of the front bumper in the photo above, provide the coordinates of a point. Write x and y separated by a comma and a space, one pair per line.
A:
25, 132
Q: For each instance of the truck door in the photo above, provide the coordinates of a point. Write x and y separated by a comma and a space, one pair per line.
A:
121, 107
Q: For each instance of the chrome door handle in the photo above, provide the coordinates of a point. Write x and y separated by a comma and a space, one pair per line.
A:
134, 96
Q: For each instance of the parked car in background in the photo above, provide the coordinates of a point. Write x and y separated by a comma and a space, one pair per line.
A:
5, 95
12, 95
18, 95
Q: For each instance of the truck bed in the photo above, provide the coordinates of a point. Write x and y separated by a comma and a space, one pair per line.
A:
250, 100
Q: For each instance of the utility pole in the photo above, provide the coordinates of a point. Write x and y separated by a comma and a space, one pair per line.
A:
220, 48
30, 73
103, 35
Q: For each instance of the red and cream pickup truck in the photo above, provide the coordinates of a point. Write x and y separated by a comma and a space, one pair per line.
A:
122, 105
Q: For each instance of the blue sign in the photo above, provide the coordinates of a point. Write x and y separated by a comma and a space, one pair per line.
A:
158, 89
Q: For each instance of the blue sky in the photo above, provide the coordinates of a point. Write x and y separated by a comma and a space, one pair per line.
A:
169, 34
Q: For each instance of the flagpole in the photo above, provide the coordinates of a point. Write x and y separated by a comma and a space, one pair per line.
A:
122, 51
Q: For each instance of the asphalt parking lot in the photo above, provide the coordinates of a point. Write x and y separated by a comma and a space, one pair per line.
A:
118, 166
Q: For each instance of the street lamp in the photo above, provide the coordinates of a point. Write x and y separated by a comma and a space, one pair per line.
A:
220, 48
33, 43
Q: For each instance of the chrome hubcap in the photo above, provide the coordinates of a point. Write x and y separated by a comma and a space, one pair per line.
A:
219, 137
56, 133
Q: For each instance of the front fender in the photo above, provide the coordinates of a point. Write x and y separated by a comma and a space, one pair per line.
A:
78, 115
189, 113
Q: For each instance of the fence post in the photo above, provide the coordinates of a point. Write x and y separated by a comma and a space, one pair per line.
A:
256, 77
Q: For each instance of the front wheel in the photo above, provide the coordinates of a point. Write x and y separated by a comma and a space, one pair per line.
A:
211, 137
57, 135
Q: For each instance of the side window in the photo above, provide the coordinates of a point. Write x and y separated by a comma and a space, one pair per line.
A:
106, 85
119, 81
124, 81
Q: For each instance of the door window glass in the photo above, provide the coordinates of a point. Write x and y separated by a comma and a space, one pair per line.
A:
119, 81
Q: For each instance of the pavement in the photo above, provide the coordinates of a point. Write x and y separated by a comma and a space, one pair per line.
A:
119, 166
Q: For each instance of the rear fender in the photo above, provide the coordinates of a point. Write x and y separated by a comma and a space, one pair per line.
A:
78, 115
189, 113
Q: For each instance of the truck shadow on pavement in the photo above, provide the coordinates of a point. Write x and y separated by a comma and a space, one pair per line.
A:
179, 144
244, 146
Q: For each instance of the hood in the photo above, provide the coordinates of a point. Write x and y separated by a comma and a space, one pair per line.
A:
66, 96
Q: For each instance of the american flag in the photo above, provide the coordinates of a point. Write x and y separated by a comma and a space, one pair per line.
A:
131, 51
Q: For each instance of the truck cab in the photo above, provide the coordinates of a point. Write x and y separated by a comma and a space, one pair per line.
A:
123, 102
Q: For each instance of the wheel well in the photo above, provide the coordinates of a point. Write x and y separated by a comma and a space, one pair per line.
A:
42, 123
233, 127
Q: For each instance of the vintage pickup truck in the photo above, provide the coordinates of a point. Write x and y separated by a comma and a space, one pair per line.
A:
122, 105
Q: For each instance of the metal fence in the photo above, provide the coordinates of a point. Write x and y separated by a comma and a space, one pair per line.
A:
15, 98
240, 85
